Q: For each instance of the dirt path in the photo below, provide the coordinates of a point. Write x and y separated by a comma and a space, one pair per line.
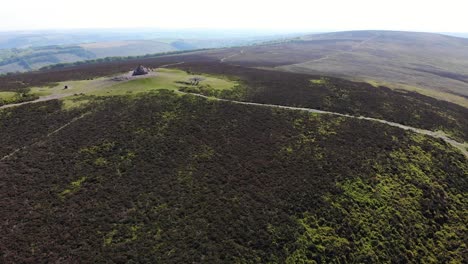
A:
456, 144
45, 138
171, 64
461, 146
41, 99
351, 49
232, 55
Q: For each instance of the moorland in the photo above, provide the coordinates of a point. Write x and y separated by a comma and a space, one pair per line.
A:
131, 170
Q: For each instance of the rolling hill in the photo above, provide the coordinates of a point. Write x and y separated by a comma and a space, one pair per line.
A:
245, 165
34, 58
25, 51
432, 64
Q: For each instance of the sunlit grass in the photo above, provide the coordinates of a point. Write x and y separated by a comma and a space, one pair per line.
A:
6, 96
162, 79
428, 92
77, 93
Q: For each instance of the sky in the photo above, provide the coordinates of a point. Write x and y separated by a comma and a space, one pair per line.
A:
285, 15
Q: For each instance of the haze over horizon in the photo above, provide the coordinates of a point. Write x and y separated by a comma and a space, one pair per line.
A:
296, 15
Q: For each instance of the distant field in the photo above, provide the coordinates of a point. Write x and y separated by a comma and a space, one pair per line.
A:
19, 60
127, 48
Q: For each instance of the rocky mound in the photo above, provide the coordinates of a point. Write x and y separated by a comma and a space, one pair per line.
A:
140, 70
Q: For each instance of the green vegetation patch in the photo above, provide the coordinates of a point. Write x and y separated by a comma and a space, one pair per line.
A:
79, 93
21, 95
319, 81
73, 187
6, 96
168, 79
317, 242
449, 97
77, 102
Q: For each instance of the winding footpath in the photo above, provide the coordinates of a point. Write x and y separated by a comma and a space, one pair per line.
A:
41, 99
171, 64
456, 144
460, 146
222, 60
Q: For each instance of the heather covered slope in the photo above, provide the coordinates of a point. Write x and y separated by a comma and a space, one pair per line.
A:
342, 96
123, 175
166, 178
430, 63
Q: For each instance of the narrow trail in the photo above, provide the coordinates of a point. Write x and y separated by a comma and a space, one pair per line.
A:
351, 49
222, 60
440, 135
171, 64
45, 137
461, 146
41, 99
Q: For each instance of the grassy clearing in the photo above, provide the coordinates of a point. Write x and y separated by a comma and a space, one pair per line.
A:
318, 81
74, 87
16, 97
170, 79
163, 79
73, 102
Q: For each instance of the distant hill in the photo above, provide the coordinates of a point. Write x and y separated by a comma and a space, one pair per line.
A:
19, 60
33, 58
460, 35
24, 51
433, 64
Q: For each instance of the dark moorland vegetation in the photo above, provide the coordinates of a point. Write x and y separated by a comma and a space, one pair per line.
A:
180, 179
342, 96
432, 63
263, 86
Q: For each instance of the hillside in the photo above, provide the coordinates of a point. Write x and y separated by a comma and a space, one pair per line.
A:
164, 178
120, 169
19, 60
432, 64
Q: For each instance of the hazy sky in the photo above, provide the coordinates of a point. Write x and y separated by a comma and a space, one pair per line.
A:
416, 15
